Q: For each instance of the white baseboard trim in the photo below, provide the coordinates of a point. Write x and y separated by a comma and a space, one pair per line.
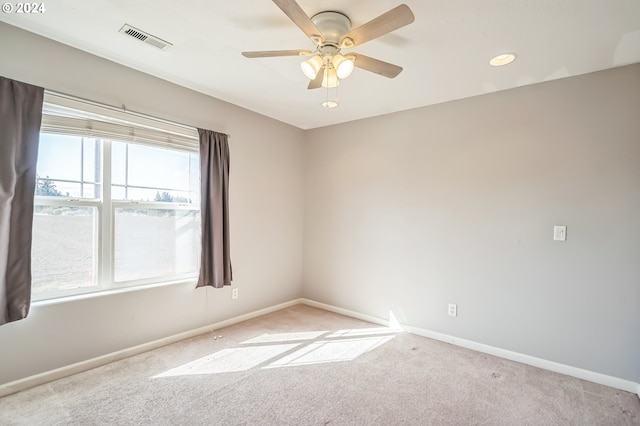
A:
345, 312
603, 379
568, 370
79, 367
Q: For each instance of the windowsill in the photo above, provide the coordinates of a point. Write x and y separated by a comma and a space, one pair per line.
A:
109, 292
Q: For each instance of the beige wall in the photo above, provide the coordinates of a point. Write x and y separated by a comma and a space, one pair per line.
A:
456, 203
266, 215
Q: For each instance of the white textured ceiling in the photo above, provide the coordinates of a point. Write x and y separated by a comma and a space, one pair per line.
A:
444, 53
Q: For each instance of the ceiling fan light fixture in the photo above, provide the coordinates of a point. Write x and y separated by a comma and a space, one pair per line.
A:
330, 78
311, 66
343, 65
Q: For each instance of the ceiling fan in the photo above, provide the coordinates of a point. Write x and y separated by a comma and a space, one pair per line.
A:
331, 32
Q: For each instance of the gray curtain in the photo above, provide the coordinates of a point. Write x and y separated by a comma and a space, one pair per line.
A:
20, 118
215, 265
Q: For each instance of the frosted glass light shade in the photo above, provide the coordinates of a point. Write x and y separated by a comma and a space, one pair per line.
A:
311, 66
330, 78
343, 65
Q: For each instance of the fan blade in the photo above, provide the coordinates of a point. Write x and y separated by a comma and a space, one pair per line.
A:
396, 18
377, 66
300, 18
273, 53
316, 83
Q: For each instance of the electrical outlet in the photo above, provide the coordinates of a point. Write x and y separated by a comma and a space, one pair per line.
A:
453, 310
234, 293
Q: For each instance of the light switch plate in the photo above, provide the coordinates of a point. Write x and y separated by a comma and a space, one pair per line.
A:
560, 233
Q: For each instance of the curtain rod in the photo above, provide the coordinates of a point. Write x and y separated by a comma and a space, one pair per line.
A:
123, 109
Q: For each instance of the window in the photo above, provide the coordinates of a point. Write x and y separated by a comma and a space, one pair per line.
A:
154, 239
116, 203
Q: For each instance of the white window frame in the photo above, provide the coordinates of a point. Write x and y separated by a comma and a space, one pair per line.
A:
107, 123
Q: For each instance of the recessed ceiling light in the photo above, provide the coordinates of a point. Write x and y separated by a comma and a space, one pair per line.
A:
504, 59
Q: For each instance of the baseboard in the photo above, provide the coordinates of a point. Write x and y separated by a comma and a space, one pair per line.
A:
59, 373
603, 379
568, 370
345, 312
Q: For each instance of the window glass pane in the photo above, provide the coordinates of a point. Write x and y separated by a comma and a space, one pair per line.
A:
91, 160
117, 193
161, 196
50, 188
90, 191
68, 166
152, 243
142, 173
63, 249
158, 168
59, 157
194, 188
119, 163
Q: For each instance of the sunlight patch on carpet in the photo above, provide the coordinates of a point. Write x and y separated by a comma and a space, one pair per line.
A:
228, 360
277, 350
330, 351
285, 337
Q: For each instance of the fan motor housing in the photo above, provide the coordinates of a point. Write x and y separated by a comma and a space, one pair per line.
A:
333, 25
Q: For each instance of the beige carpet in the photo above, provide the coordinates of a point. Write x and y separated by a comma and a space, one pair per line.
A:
304, 366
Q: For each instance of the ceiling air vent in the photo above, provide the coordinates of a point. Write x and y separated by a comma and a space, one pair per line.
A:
147, 38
